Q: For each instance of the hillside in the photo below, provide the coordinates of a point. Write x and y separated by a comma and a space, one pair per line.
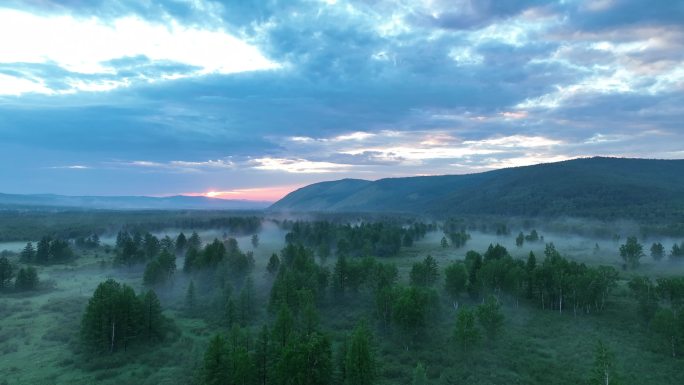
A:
588, 187
126, 202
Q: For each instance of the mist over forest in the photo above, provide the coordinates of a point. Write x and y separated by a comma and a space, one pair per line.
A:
332, 298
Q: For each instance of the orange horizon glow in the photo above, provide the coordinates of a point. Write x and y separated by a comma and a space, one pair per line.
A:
271, 194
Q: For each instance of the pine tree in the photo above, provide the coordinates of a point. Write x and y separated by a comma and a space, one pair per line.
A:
667, 323
490, 317
283, 327
6, 273
455, 280
419, 375
27, 279
181, 243
310, 318
444, 242
657, 251
153, 321
255, 241
360, 361
194, 242
167, 262
215, 370
130, 316
190, 297
262, 356
153, 275
167, 244
273, 264
247, 305
305, 361
243, 368
520, 240
603, 372
28, 254
341, 362
101, 323
43, 250
425, 273
231, 313
340, 276
466, 332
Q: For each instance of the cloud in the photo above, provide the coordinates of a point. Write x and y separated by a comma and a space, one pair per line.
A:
179, 165
13, 85
297, 165
72, 167
362, 89
91, 46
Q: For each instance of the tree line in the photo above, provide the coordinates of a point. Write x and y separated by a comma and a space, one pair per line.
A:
661, 308
381, 239
25, 278
48, 250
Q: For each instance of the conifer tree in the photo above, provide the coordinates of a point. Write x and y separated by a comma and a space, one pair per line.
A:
247, 301
490, 317
181, 243
152, 319
262, 356
419, 375
190, 297
27, 279
455, 280
28, 254
6, 273
466, 333
603, 372
215, 369
283, 327
273, 264
360, 361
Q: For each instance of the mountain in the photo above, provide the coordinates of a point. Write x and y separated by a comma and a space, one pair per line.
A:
127, 202
588, 187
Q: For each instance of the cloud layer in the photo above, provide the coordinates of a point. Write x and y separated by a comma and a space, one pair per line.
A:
128, 97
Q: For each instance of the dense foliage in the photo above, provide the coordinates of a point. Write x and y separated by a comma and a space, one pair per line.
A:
117, 318
378, 239
661, 306
19, 225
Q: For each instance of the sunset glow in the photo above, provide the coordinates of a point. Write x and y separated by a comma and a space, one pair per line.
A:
270, 194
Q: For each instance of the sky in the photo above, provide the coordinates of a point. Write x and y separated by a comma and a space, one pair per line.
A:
253, 99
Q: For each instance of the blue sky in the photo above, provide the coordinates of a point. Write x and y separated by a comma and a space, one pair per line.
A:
251, 99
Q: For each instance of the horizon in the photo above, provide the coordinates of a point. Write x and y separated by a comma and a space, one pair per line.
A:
253, 101
236, 195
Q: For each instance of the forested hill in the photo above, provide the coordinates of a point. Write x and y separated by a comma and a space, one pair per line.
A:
590, 187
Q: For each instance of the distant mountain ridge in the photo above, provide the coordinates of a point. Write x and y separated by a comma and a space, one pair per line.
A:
585, 187
127, 202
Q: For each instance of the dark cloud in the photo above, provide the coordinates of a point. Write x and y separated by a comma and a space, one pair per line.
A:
468, 15
621, 13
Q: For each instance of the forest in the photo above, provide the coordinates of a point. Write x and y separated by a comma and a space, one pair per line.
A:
211, 299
